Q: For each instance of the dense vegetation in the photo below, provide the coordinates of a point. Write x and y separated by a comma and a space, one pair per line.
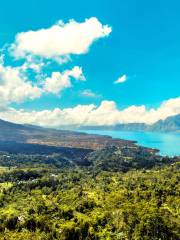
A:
112, 197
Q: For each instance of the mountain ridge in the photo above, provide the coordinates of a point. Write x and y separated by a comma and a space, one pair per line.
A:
29, 134
170, 124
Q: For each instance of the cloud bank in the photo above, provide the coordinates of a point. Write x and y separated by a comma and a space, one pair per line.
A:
106, 113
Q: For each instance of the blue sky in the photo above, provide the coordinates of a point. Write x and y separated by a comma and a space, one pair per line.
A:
144, 45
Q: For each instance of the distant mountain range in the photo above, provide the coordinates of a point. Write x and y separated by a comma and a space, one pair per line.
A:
170, 124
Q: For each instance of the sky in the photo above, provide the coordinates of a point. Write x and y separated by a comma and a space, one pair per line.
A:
89, 62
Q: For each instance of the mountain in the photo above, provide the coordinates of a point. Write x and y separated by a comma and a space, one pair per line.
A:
29, 134
170, 124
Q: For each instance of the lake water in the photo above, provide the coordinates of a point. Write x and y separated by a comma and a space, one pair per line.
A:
167, 143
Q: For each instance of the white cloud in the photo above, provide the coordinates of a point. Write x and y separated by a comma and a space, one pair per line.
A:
89, 93
56, 83
60, 40
121, 79
105, 114
15, 87
33, 63
38, 48
76, 73
60, 81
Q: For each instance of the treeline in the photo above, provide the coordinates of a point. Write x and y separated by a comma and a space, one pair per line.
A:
18, 148
107, 159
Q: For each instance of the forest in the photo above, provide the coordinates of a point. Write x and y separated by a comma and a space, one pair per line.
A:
49, 197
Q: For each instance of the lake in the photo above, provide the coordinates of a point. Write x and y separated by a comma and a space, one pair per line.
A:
167, 143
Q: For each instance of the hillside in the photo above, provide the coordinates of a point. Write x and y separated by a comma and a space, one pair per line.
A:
29, 134
70, 146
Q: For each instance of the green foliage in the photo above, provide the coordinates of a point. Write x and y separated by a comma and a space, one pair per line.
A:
50, 203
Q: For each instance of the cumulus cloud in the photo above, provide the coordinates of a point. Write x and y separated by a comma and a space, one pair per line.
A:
15, 87
60, 81
106, 113
76, 73
121, 79
60, 40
